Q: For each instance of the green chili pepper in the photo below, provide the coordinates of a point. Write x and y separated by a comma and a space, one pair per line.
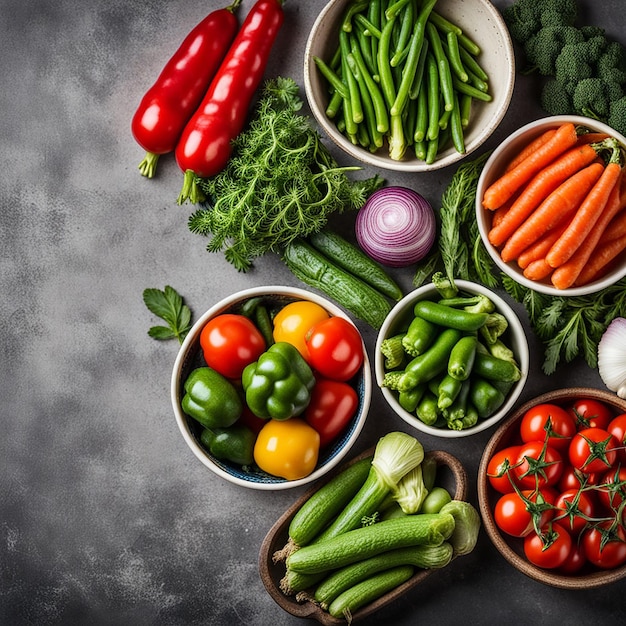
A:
462, 357
485, 397
427, 409
448, 390
235, 443
455, 413
450, 317
409, 400
493, 368
279, 384
211, 399
419, 336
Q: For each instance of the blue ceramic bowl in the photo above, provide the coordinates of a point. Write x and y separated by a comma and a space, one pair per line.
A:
190, 356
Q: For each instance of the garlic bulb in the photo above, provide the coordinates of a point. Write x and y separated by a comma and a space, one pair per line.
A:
612, 356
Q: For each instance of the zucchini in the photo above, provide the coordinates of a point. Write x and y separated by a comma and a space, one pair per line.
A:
424, 557
352, 259
369, 590
313, 268
368, 541
318, 511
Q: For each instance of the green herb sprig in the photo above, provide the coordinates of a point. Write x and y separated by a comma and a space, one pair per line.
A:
169, 306
280, 184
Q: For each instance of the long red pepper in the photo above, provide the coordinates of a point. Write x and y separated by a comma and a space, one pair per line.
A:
174, 97
205, 144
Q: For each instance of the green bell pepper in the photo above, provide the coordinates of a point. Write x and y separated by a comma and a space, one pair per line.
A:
279, 384
211, 399
235, 443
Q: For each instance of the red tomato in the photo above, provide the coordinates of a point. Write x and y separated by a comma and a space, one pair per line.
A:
230, 342
612, 488
593, 450
550, 549
605, 545
332, 406
335, 348
575, 561
591, 413
548, 421
514, 513
574, 509
617, 428
538, 465
498, 477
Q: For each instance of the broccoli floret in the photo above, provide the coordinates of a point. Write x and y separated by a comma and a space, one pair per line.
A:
526, 17
555, 100
617, 115
610, 64
577, 61
592, 97
543, 48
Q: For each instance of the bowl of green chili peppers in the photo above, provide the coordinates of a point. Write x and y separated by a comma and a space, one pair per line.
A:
409, 86
451, 358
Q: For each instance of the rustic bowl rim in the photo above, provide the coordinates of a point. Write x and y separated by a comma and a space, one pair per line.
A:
485, 494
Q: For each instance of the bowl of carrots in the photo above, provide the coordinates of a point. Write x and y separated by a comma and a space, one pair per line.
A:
551, 206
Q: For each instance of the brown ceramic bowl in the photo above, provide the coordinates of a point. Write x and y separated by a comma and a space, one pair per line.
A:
510, 547
451, 475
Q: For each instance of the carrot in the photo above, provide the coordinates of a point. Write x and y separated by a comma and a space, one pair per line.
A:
586, 216
539, 249
543, 184
562, 202
538, 270
530, 148
602, 256
616, 228
591, 138
499, 213
565, 275
506, 185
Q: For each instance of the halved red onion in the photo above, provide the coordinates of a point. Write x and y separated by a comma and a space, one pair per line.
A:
396, 226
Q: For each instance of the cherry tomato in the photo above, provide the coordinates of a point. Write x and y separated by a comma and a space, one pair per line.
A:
575, 560
500, 479
294, 320
612, 488
550, 549
230, 342
512, 514
571, 478
335, 348
574, 509
332, 406
617, 428
605, 545
591, 413
593, 450
538, 465
287, 448
548, 421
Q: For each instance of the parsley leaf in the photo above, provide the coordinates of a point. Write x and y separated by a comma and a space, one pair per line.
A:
169, 306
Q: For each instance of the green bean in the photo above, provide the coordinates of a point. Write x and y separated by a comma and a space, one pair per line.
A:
443, 24
444, 120
418, 81
373, 14
365, 48
335, 61
395, 8
456, 127
409, 117
432, 86
334, 80
355, 97
471, 64
421, 123
432, 149
454, 57
478, 82
468, 44
370, 30
376, 137
404, 34
445, 75
348, 116
384, 68
470, 90
465, 104
378, 102
353, 9
334, 104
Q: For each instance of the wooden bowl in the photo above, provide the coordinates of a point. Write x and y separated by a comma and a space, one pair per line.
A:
454, 478
510, 547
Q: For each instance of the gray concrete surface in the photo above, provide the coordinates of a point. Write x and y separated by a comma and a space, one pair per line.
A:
106, 517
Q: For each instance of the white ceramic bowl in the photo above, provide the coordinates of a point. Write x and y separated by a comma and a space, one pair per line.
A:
190, 356
494, 167
480, 21
399, 318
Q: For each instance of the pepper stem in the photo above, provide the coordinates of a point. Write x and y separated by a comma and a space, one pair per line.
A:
148, 166
190, 191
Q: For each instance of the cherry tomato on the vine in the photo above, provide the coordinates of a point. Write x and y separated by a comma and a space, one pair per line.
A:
538, 465
515, 512
332, 406
549, 421
499, 478
230, 342
574, 509
593, 450
612, 488
549, 549
617, 428
335, 348
605, 545
590, 413
575, 561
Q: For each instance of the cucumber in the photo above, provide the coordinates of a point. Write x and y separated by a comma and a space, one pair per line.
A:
367, 541
313, 268
369, 590
352, 259
315, 514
